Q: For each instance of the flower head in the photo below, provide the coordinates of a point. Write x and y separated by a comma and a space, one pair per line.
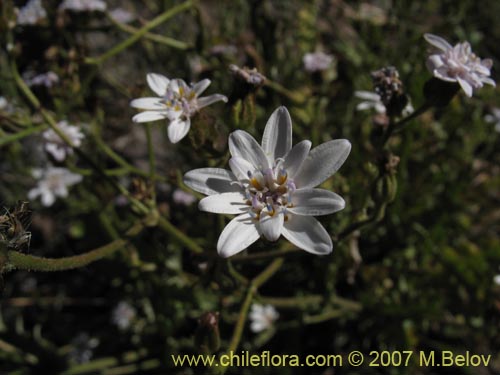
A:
317, 61
271, 188
458, 64
55, 146
177, 102
262, 317
83, 5
52, 182
122, 315
494, 118
48, 79
31, 13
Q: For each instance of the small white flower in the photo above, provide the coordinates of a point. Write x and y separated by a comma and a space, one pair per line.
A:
182, 197
31, 13
458, 64
496, 279
371, 101
262, 317
177, 102
271, 188
494, 118
122, 315
55, 146
48, 79
52, 182
317, 61
121, 15
83, 5
83, 347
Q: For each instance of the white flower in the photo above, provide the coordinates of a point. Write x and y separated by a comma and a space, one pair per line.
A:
458, 64
31, 13
271, 188
262, 317
496, 279
182, 197
122, 315
494, 117
317, 61
45, 79
55, 146
83, 5
121, 15
371, 100
177, 102
52, 182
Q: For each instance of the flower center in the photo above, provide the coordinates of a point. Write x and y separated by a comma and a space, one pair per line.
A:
269, 191
181, 99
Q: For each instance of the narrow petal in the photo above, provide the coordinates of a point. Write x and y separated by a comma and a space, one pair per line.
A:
277, 138
367, 95
295, 157
242, 144
201, 86
178, 129
270, 226
240, 167
308, 234
240, 233
48, 198
465, 86
225, 203
207, 100
211, 181
322, 162
158, 83
438, 42
315, 202
148, 103
149, 116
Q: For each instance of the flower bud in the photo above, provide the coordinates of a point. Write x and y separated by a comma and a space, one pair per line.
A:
207, 337
391, 91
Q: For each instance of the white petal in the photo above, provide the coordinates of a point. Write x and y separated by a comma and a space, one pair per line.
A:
33, 193
308, 234
315, 202
149, 116
438, 42
225, 203
207, 100
211, 181
148, 103
240, 233
48, 198
433, 62
270, 226
322, 162
466, 86
178, 129
295, 157
242, 144
240, 167
158, 83
367, 95
201, 86
277, 138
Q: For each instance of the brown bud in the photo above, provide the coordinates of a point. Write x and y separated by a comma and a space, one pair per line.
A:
207, 337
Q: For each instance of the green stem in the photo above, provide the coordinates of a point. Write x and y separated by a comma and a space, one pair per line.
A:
180, 236
275, 86
139, 33
151, 156
19, 135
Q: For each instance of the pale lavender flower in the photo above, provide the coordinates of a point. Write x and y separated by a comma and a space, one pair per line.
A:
48, 79
52, 182
494, 118
55, 146
271, 188
177, 102
182, 197
317, 61
262, 317
83, 5
122, 315
458, 64
121, 15
31, 13
83, 347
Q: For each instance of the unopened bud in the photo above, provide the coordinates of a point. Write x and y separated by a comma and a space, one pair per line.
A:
391, 90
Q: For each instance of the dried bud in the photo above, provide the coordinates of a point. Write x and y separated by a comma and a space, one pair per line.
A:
390, 89
207, 337
13, 226
250, 76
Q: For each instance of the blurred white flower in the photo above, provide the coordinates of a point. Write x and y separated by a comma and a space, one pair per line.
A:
121, 15
83, 347
182, 197
48, 79
262, 317
177, 102
496, 279
494, 118
122, 315
31, 13
83, 5
271, 188
371, 101
52, 182
55, 146
317, 61
458, 64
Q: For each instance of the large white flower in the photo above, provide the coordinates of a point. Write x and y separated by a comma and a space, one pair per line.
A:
55, 146
458, 64
271, 188
52, 182
177, 102
262, 317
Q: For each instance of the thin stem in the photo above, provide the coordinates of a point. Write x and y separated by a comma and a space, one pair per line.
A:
275, 86
20, 135
180, 236
140, 33
151, 156
401, 124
